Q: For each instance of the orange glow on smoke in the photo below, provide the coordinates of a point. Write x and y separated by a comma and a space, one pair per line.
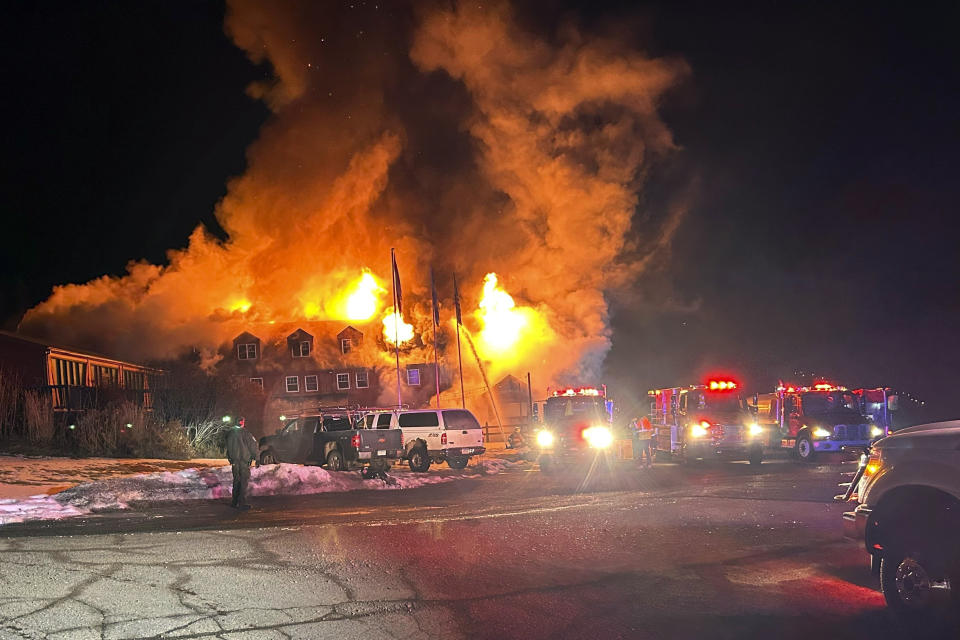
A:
358, 301
395, 328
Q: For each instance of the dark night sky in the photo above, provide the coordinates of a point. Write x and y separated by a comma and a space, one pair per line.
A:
818, 156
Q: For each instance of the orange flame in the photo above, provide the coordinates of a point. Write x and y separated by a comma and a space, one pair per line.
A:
394, 328
502, 323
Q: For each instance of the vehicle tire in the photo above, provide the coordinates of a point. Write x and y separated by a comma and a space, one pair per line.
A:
905, 581
335, 461
546, 464
267, 457
419, 460
756, 457
805, 450
457, 462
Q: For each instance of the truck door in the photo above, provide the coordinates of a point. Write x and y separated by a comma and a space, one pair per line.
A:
308, 441
288, 441
421, 424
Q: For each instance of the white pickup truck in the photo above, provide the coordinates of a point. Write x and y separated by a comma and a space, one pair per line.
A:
432, 436
909, 516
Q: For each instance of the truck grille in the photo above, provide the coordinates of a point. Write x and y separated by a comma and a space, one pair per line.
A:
851, 432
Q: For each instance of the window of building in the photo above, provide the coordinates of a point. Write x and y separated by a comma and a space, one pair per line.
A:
413, 377
310, 383
302, 350
69, 372
293, 384
247, 351
343, 381
362, 380
104, 376
257, 381
346, 345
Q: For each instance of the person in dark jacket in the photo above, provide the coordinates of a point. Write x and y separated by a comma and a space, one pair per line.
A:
241, 451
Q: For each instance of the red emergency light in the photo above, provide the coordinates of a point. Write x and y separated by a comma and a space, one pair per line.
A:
721, 385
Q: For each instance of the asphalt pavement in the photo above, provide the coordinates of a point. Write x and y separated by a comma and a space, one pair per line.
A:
719, 550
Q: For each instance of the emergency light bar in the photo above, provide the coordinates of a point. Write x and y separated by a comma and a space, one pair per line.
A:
721, 385
577, 391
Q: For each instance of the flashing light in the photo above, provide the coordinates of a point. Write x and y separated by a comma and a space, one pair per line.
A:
872, 466
598, 437
820, 432
876, 432
225, 418
129, 426
755, 429
721, 385
575, 391
823, 386
699, 430
72, 427
283, 418
545, 439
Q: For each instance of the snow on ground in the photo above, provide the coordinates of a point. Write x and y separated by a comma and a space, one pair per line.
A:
22, 476
212, 483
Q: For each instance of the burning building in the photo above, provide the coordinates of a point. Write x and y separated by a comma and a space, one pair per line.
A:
320, 365
512, 158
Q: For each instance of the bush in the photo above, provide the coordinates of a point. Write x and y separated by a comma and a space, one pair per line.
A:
38, 415
125, 429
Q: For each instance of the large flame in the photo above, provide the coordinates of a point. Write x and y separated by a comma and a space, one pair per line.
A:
502, 323
362, 303
396, 329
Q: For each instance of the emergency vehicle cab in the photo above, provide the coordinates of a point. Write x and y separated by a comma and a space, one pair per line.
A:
577, 427
705, 421
818, 419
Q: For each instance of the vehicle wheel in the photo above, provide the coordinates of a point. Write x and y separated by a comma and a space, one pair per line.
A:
805, 450
546, 464
905, 581
419, 460
334, 461
457, 462
267, 457
756, 457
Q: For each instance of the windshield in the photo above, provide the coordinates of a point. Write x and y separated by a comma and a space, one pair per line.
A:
829, 402
723, 402
586, 407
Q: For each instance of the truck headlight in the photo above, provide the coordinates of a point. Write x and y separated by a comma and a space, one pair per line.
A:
545, 439
875, 431
755, 429
698, 431
820, 432
598, 437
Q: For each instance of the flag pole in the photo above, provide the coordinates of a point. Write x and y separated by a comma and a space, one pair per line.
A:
436, 318
396, 322
456, 304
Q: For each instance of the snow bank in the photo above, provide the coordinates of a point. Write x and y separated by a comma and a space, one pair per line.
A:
208, 483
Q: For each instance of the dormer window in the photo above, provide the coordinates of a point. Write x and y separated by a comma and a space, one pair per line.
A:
247, 351
346, 345
302, 350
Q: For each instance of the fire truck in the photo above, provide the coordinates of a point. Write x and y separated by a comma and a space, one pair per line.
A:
705, 421
816, 419
577, 427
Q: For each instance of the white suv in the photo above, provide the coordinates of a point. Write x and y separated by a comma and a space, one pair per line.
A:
909, 515
432, 436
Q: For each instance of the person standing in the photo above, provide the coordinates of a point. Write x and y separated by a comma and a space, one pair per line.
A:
241, 451
642, 441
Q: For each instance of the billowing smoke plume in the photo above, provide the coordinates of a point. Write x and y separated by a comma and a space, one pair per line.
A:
451, 134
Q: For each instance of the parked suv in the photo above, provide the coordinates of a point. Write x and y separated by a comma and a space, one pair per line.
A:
909, 515
432, 436
332, 440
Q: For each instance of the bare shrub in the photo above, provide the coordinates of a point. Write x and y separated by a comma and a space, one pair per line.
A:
38, 417
11, 391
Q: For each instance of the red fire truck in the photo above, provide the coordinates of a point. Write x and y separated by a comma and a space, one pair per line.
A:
820, 418
706, 421
577, 427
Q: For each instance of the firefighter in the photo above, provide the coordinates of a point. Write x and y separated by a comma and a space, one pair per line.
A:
515, 440
241, 451
642, 437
